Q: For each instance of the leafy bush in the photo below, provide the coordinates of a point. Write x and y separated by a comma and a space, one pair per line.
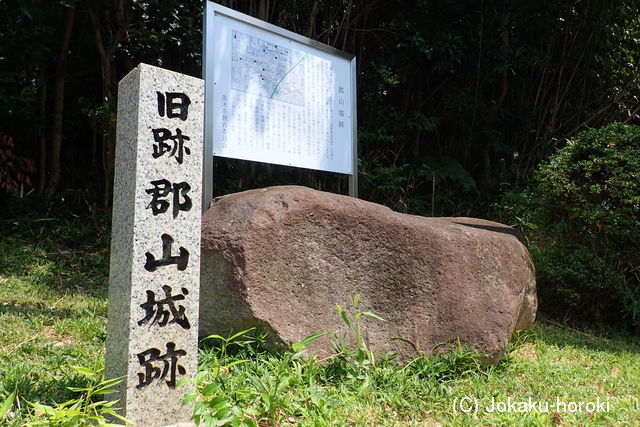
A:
575, 282
594, 181
586, 243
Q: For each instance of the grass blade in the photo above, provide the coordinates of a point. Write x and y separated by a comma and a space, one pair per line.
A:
6, 405
375, 316
345, 319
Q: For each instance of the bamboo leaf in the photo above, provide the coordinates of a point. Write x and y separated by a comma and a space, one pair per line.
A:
6, 405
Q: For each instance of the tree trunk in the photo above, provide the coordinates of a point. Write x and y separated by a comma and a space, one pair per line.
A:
311, 28
42, 156
107, 49
58, 108
109, 136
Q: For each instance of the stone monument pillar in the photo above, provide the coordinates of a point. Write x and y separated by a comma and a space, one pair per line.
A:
154, 277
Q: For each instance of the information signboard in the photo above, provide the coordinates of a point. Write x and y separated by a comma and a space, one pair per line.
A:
277, 97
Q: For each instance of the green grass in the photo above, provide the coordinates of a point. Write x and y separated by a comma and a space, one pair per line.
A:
53, 283
546, 364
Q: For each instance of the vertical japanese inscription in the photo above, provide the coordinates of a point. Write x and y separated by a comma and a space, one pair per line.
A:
175, 105
155, 256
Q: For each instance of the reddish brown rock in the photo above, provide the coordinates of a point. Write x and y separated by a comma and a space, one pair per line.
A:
282, 257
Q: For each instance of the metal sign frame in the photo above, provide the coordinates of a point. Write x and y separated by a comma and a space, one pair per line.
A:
211, 10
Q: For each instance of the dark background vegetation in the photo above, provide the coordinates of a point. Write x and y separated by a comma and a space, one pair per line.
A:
465, 109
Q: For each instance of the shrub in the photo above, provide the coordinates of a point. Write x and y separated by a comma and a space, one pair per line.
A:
575, 283
589, 210
594, 181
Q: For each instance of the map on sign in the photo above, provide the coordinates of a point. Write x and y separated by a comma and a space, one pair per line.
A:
276, 97
266, 69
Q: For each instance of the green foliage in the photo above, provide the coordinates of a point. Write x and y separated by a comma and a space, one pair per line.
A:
578, 283
409, 187
252, 386
582, 220
214, 401
53, 283
84, 410
590, 199
447, 169
6, 405
358, 350
491, 85
167, 34
594, 181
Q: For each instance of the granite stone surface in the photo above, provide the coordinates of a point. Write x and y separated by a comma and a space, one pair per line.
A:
152, 328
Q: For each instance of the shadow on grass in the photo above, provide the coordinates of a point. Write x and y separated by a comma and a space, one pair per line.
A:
60, 245
53, 314
564, 336
58, 270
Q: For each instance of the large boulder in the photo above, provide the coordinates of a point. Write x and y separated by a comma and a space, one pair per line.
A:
281, 258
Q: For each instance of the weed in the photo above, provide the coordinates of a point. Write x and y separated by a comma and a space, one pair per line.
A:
359, 351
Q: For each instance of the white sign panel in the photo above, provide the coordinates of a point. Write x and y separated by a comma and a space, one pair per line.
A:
277, 97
